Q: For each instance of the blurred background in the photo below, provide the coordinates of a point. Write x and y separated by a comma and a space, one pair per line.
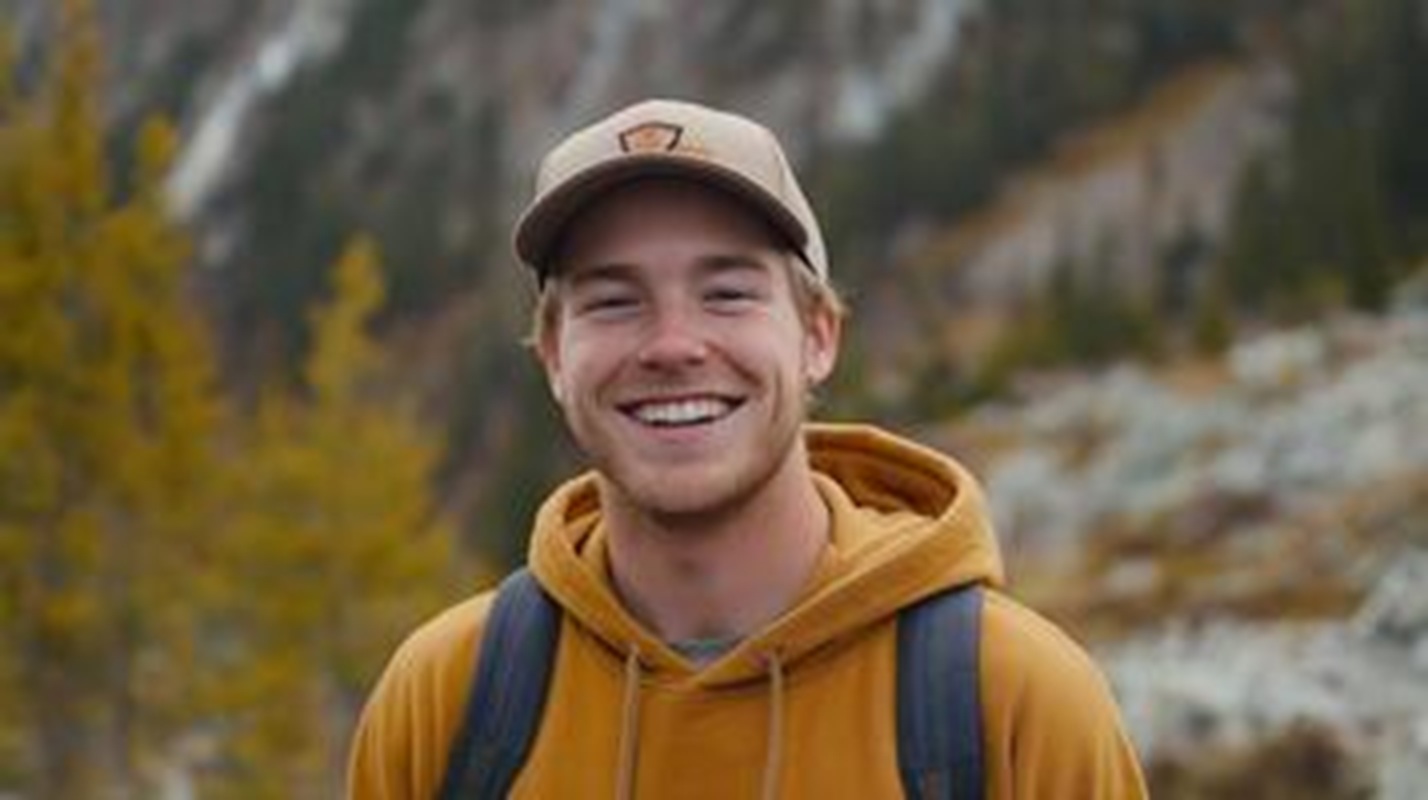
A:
1156, 269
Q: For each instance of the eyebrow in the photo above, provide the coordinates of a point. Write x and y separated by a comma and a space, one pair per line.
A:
731, 262
595, 273
705, 266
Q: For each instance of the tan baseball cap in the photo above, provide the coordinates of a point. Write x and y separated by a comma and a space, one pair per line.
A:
668, 138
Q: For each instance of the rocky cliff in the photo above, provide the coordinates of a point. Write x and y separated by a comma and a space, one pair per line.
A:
1246, 543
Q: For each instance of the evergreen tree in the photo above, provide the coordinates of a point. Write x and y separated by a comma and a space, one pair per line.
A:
1400, 63
1213, 325
1255, 261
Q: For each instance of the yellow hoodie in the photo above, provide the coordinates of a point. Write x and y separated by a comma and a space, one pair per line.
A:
801, 709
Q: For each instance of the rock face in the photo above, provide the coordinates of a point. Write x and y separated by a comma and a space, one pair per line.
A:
1118, 205
544, 66
1228, 685
1301, 475
1305, 417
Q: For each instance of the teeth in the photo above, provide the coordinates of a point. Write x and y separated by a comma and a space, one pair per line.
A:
682, 412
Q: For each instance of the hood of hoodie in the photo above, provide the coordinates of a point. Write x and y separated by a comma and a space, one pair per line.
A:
907, 522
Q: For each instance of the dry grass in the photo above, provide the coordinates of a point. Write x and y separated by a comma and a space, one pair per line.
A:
1240, 558
1078, 154
1195, 377
1304, 761
1164, 111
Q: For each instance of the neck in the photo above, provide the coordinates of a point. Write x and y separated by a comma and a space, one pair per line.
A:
724, 573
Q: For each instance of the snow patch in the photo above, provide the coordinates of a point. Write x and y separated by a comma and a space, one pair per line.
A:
311, 32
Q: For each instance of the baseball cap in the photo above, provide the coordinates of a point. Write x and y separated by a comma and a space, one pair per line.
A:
668, 138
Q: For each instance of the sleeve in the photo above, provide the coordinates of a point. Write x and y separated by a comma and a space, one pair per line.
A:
1051, 722
400, 747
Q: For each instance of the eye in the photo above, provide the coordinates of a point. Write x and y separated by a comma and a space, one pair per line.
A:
607, 303
730, 296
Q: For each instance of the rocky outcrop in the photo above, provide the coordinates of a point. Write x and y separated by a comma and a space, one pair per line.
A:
1261, 536
1302, 419
1122, 196
1226, 685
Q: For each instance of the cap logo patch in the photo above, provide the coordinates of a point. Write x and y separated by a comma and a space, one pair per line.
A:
651, 137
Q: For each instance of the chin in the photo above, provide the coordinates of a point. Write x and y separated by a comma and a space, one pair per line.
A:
683, 494
679, 495
704, 487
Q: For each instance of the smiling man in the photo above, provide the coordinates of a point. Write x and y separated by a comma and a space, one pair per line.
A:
733, 602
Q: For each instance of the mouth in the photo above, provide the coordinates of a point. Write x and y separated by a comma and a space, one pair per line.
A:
682, 412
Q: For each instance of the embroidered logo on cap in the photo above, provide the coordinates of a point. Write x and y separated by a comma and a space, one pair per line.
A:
651, 137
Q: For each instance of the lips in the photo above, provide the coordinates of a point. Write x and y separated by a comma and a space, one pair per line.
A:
681, 411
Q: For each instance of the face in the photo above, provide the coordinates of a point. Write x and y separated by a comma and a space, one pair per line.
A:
678, 353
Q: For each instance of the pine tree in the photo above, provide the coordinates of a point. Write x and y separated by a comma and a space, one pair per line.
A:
1213, 324
1255, 263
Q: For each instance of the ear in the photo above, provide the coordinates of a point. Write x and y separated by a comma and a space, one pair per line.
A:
547, 350
822, 335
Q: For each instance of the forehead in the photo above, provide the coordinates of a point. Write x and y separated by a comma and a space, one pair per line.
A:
663, 217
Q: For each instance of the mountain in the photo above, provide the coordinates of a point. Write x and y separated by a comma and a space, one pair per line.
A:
964, 157
1146, 264
1244, 542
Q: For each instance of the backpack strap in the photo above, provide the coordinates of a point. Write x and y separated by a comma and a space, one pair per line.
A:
939, 718
938, 706
507, 693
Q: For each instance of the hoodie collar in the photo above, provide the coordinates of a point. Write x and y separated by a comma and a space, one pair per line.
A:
906, 522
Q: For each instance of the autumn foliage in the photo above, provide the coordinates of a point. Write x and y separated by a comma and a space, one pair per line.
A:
192, 594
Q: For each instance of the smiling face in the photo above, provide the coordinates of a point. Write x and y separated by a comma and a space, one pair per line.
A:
678, 352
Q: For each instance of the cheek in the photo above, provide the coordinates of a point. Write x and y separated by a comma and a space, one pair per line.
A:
780, 349
580, 367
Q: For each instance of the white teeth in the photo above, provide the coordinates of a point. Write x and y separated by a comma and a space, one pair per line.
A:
682, 412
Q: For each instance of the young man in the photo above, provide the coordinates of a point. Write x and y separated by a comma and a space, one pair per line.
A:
730, 579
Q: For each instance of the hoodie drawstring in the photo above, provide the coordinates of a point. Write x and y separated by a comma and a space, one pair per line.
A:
774, 757
629, 728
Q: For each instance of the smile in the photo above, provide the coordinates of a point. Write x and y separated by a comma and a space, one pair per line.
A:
681, 412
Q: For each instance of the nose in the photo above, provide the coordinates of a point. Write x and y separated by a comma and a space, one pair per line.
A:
675, 341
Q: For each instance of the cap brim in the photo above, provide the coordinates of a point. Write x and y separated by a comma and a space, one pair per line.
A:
539, 229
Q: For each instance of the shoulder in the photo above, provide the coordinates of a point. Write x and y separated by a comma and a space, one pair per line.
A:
1050, 718
446, 640
1030, 652
429, 674
400, 747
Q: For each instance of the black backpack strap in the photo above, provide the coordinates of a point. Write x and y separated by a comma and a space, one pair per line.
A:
939, 717
507, 694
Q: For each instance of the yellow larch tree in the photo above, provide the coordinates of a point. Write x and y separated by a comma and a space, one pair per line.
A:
334, 550
106, 412
186, 595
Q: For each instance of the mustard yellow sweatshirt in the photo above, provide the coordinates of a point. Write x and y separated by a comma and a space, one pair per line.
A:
801, 709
